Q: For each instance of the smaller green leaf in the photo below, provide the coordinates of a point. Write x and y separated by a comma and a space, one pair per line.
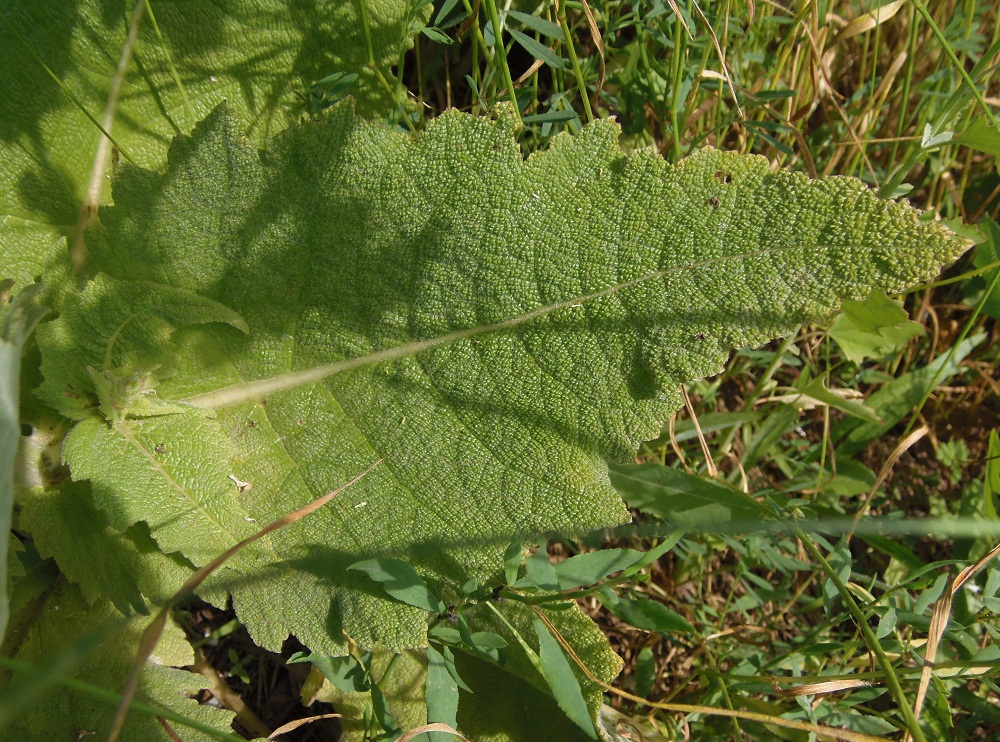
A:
446, 8
987, 253
441, 693
873, 328
933, 139
645, 672
653, 554
649, 615
860, 723
483, 646
564, 684
540, 572
345, 673
939, 709
992, 583
331, 89
991, 477
512, 558
551, 116
122, 326
380, 707
436, 34
816, 390
886, 624
981, 136
543, 26
538, 50
141, 470
484, 640
121, 393
586, 569
488, 640
401, 581
775, 425
931, 594
678, 497
449, 661
470, 587
840, 562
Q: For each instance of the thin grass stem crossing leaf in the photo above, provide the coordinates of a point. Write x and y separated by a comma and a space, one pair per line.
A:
493, 329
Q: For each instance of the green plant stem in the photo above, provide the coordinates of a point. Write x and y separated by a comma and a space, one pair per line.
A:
911, 49
113, 698
895, 689
501, 53
170, 62
64, 88
758, 388
372, 65
581, 85
675, 93
724, 689
530, 653
919, 5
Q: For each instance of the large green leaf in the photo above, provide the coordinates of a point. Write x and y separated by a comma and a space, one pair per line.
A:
491, 329
259, 55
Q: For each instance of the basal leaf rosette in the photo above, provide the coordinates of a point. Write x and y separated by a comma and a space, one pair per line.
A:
492, 329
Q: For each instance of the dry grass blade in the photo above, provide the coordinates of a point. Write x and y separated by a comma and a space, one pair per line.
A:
293, 725
722, 60
675, 445
683, 708
680, 17
229, 698
709, 462
867, 21
939, 622
595, 34
436, 727
535, 66
817, 689
152, 634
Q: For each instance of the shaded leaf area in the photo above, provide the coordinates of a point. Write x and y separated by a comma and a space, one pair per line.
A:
260, 56
64, 713
504, 707
585, 285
